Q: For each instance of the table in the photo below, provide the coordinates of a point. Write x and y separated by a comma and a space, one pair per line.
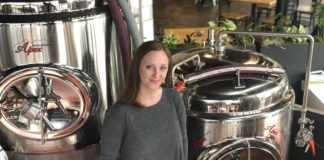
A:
315, 96
261, 2
254, 3
315, 91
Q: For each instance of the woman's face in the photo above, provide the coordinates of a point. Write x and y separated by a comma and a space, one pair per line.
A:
153, 70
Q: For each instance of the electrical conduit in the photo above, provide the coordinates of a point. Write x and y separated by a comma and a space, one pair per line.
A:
131, 24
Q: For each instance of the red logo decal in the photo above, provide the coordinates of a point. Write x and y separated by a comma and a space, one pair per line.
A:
27, 48
197, 143
272, 130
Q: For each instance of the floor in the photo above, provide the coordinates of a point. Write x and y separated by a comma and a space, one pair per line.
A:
169, 14
185, 13
89, 153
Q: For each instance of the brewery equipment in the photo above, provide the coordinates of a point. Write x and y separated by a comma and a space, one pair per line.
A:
3, 155
239, 102
60, 68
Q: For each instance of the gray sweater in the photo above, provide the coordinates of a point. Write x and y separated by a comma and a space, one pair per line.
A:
151, 133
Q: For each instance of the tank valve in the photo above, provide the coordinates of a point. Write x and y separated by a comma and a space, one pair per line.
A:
180, 86
216, 46
211, 40
305, 137
220, 47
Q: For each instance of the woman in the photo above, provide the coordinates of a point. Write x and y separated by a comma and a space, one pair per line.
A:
149, 121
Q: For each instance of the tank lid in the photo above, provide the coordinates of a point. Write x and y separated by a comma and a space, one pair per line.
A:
220, 94
19, 7
239, 82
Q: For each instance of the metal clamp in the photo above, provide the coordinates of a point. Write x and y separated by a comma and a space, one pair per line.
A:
239, 82
196, 56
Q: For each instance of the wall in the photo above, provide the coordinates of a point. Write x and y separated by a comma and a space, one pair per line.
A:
293, 58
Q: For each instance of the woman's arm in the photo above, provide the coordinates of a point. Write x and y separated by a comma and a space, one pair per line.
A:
112, 134
183, 124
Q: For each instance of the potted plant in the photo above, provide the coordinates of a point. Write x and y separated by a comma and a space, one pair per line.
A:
170, 40
291, 53
189, 42
239, 41
318, 31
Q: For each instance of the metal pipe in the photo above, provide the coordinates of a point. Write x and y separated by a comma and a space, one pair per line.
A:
229, 69
249, 150
131, 24
211, 38
182, 62
302, 119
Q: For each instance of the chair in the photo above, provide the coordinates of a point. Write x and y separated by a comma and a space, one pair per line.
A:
235, 15
266, 8
306, 7
287, 12
215, 2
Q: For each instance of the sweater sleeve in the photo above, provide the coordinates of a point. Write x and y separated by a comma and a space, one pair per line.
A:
112, 134
181, 111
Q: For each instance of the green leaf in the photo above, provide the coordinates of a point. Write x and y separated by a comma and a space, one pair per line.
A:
212, 24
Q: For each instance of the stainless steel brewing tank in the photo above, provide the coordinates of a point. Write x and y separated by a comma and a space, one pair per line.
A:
239, 104
65, 53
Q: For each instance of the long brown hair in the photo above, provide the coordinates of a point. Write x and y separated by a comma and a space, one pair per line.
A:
131, 88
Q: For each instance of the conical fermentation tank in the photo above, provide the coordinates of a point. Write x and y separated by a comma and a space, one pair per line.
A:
59, 70
238, 104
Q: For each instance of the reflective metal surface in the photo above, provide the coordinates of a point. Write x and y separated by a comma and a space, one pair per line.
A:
15, 7
259, 93
88, 153
64, 101
115, 67
60, 42
305, 134
79, 43
245, 148
239, 104
212, 130
57, 76
3, 154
